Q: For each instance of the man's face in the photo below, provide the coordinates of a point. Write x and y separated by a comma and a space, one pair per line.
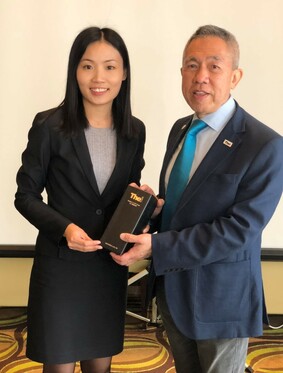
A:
208, 74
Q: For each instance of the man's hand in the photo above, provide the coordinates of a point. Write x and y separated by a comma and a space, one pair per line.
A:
160, 201
140, 250
78, 240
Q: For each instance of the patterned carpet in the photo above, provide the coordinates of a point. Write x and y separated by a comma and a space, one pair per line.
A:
265, 354
145, 350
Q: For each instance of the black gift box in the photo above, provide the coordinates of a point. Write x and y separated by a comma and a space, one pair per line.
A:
131, 216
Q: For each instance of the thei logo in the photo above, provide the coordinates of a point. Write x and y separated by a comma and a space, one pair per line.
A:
137, 198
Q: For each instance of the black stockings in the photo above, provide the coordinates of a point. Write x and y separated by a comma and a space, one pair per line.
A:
59, 368
100, 365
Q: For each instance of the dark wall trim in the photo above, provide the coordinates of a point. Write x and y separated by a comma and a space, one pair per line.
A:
27, 251
16, 251
272, 255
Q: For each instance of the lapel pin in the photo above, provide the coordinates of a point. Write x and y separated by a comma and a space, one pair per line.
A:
184, 126
228, 143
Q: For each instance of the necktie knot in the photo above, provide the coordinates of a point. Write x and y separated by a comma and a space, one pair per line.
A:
197, 126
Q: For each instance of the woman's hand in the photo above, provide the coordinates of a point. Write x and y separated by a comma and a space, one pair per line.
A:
78, 240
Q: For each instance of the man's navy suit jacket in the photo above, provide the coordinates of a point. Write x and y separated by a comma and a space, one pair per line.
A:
210, 257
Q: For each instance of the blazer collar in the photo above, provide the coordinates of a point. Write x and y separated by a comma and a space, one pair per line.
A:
227, 142
182, 129
81, 148
121, 160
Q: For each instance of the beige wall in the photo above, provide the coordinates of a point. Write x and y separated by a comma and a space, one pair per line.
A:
14, 281
15, 272
272, 273
36, 36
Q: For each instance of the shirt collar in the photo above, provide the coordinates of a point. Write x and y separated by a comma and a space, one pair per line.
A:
218, 120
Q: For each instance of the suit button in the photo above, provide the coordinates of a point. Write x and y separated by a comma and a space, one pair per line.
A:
98, 212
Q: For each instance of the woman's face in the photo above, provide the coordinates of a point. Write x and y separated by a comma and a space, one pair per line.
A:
100, 74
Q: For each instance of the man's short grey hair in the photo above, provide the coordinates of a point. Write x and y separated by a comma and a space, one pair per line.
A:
228, 37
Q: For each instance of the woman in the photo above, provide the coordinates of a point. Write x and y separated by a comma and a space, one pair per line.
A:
84, 153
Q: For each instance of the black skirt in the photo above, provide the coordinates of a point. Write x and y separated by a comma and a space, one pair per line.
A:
76, 309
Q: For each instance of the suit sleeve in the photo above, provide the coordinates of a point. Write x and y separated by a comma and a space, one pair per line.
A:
236, 230
31, 181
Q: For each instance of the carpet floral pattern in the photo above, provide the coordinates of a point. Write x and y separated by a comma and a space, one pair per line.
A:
145, 350
265, 354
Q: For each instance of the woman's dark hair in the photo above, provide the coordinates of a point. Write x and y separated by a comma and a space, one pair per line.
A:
74, 118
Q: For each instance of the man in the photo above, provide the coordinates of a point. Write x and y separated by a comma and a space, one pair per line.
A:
206, 257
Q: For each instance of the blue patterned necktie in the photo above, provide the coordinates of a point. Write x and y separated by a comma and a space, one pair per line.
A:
179, 176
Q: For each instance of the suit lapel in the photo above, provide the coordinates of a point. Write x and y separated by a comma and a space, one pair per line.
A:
121, 161
81, 148
125, 149
171, 148
224, 147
